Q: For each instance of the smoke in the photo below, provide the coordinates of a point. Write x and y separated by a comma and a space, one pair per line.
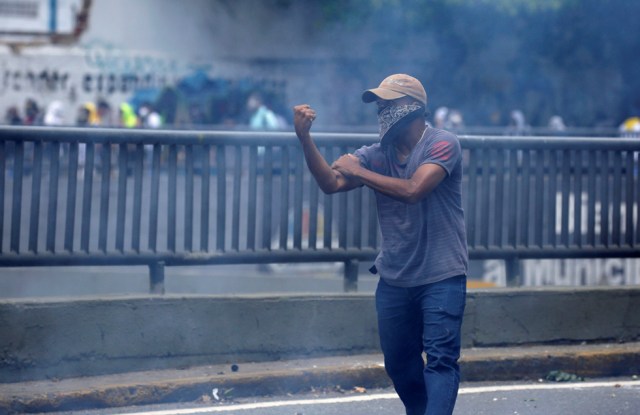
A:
487, 58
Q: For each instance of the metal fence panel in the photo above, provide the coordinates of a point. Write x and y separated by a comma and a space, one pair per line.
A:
180, 197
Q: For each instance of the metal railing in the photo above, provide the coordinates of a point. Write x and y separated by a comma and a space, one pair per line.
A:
530, 197
72, 196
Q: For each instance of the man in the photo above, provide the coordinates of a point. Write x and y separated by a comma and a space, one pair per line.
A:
261, 117
416, 173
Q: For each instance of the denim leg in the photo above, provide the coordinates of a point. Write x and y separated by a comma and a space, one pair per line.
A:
442, 306
400, 329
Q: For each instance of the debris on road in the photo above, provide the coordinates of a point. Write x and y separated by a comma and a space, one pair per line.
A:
560, 376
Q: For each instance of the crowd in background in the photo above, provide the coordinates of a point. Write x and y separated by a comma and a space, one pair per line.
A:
452, 119
195, 101
256, 114
89, 114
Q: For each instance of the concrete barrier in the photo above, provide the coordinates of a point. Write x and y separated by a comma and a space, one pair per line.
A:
65, 338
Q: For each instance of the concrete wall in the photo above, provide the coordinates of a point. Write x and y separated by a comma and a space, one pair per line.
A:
63, 338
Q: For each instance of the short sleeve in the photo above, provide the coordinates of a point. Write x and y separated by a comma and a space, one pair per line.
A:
444, 150
362, 155
369, 156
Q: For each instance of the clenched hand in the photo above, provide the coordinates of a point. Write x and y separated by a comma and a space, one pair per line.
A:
347, 164
303, 116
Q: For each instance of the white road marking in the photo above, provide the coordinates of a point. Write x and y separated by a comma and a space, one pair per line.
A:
383, 396
543, 386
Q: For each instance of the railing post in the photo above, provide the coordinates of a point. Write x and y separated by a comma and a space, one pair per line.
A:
156, 278
351, 275
514, 277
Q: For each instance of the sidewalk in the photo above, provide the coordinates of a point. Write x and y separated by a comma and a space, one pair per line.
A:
207, 383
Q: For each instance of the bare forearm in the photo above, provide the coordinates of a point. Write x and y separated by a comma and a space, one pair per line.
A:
326, 177
412, 190
406, 191
329, 179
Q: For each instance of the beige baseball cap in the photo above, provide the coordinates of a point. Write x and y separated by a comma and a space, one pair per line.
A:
397, 86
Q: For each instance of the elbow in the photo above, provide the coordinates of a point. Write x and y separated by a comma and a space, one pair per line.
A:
412, 197
330, 185
328, 188
414, 194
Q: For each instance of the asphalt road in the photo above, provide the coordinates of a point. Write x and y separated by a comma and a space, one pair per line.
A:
592, 397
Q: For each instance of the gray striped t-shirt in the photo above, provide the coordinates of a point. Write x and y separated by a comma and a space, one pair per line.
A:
425, 242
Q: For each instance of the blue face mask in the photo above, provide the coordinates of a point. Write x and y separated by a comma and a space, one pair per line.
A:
392, 118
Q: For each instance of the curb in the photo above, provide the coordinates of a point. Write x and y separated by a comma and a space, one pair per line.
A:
536, 363
496, 364
191, 390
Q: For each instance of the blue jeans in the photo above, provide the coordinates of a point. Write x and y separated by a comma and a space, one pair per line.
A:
426, 318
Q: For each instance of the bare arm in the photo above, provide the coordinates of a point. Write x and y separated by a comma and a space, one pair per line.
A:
413, 190
329, 180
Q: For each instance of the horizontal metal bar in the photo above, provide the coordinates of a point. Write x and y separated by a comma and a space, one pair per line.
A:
550, 143
165, 137
289, 256
549, 252
180, 259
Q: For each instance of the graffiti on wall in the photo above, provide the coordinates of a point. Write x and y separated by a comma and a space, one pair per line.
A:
106, 58
95, 69
52, 81
568, 272
33, 81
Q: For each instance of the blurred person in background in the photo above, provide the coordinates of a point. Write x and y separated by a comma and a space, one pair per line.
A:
32, 113
88, 115
456, 122
440, 117
149, 118
556, 124
416, 174
54, 115
260, 116
448, 119
128, 118
517, 124
82, 117
12, 116
630, 127
105, 113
